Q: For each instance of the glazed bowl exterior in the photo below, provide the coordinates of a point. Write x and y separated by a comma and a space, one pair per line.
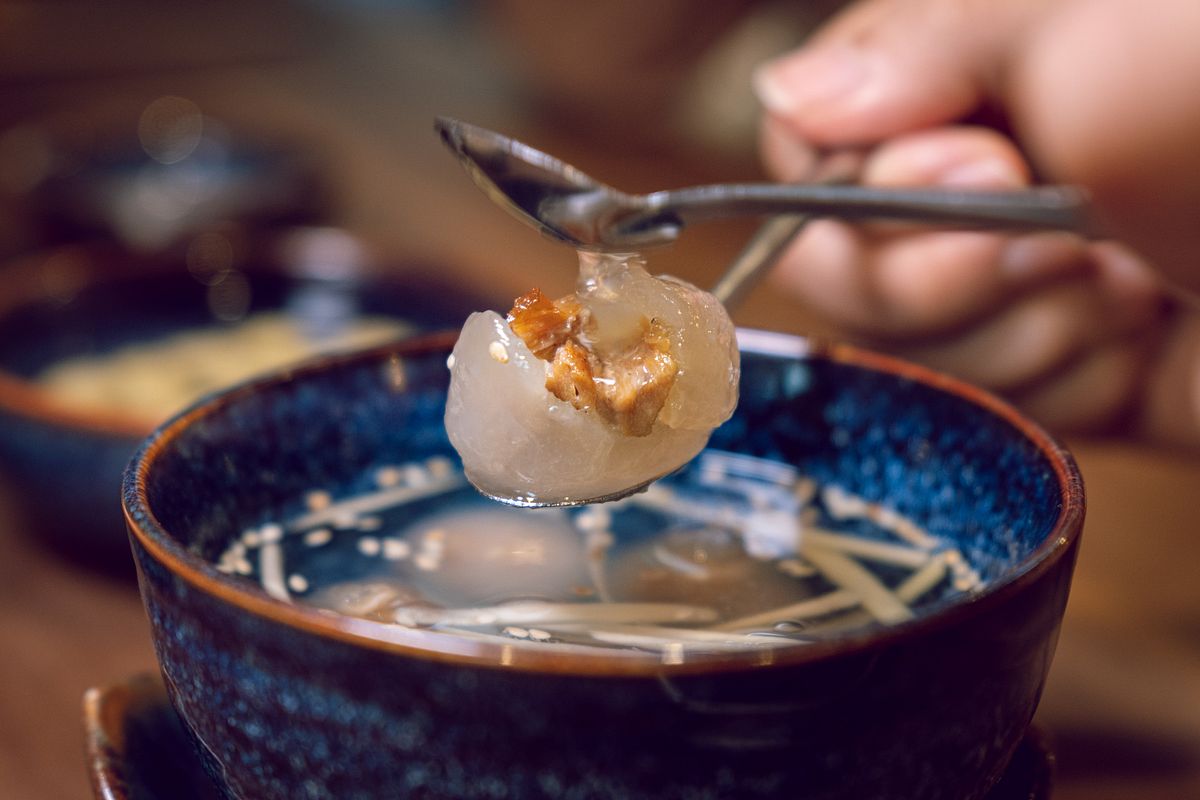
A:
284, 701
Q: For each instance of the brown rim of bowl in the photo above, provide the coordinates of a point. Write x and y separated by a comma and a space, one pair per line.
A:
449, 648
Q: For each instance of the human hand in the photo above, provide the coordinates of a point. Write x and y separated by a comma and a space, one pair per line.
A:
1065, 327
1100, 93
1058, 324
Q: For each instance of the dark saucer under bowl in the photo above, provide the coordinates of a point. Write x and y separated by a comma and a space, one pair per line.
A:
137, 749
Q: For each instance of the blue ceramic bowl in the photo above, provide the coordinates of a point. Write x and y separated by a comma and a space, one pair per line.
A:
282, 700
63, 463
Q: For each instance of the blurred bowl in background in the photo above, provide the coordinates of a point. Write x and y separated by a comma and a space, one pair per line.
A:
98, 344
153, 175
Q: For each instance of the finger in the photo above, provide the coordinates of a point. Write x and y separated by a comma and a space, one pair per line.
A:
786, 157
924, 285
1092, 393
959, 156
1125, 276
906, 281
1030, 339
885, 67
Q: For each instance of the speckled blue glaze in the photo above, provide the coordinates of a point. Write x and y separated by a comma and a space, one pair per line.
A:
138, 750
283, 702
66, 472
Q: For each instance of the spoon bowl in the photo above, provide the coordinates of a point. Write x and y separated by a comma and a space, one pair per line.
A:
546, 193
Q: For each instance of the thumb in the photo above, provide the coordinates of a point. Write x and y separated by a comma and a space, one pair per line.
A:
885, 67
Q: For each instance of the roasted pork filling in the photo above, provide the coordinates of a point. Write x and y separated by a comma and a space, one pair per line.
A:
624, 381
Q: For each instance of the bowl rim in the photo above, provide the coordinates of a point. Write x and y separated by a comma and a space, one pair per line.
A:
149, 534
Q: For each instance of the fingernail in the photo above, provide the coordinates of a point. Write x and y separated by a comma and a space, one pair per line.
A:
989, 173
802, 82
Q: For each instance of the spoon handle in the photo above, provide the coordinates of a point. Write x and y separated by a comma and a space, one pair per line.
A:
768, 242
759, 254
1042, 207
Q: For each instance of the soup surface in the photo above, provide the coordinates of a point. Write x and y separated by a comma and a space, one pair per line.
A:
732, 552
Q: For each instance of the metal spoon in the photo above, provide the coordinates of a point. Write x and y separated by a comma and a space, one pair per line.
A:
569, 206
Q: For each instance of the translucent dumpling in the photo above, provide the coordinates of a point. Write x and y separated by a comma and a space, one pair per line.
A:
586, 396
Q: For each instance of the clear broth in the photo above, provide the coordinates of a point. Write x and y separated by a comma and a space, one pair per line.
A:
732, 552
